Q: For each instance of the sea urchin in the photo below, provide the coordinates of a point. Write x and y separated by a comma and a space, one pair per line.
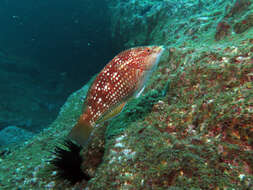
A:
67, 162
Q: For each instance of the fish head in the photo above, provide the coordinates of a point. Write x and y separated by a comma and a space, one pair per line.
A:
146, 57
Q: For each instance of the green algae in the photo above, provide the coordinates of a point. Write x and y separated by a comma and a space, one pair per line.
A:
135, 110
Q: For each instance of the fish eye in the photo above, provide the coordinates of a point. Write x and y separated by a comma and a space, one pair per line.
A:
148, 50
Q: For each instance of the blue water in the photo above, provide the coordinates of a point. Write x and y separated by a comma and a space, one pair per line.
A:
66, 35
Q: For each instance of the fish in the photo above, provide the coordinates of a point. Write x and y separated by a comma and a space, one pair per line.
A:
123, 78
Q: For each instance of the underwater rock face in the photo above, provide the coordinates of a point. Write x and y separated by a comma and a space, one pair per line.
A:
199, 135
191, 128
175, 22
223, 29
13, 134
28, 99
244, 24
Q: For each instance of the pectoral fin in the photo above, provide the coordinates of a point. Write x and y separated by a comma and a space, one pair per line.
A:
138, 93
112, 113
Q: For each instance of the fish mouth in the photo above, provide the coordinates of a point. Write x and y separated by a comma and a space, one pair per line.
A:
153, 59
159, 50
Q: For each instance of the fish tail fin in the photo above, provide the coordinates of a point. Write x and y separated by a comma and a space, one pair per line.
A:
81, 131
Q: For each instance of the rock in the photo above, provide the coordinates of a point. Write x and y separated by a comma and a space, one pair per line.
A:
222, 30
238, 7
165, 22
244, 24
13, 134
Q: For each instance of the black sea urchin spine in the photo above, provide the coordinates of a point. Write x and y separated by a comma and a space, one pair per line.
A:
67, 162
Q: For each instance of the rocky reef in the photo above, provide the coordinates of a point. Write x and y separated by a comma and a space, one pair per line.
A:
192, 128
29, 93
175, 22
